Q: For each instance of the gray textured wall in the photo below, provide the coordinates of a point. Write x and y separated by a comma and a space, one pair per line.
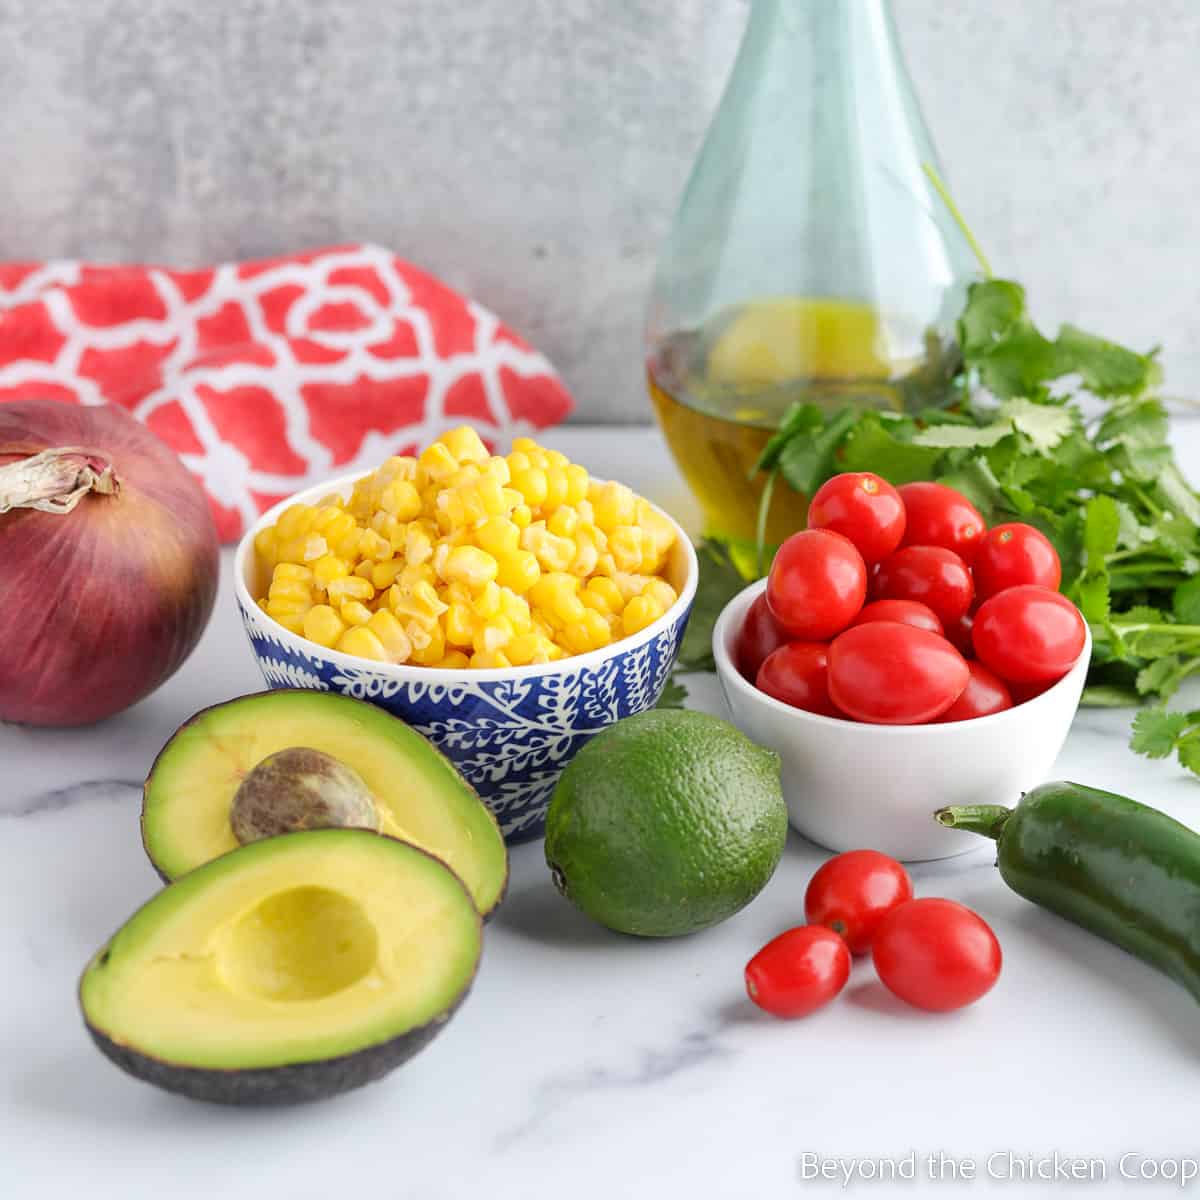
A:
531, 151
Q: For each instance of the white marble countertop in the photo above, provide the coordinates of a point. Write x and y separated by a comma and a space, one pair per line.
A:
587, 1065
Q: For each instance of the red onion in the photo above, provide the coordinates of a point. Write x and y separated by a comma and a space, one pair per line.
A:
108, 562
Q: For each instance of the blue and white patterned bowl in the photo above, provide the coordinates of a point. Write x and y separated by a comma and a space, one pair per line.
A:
509, 731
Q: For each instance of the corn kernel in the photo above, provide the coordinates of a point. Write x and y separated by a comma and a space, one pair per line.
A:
327, 569
639, 612
487, 600
555, 596
591, 633
630, 584
292, 622
355, 612
470, 565
521, 515
498, 536
661, 592
453, 660
515, 609
287, 570
492, 635
577, 484
563, 522
289, 591
390, 633
372, 545
518, 571
323, 625
614, 505
531, 483
420, 602
360, 641
266, 542
384, 574
418, 545
522, 649
434, 648
436, 463
294, 520
465, 444
350, 587
606, 590
460, 625
489, 660
625, 543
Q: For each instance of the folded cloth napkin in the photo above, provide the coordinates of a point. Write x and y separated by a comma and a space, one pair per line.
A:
269, 376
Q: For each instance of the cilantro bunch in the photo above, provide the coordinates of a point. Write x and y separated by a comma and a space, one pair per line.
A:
1064, 433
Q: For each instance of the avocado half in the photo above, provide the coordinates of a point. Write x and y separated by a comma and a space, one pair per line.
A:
288, 970
421, 797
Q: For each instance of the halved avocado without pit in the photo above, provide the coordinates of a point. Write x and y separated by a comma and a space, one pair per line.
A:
419, 796
288, 970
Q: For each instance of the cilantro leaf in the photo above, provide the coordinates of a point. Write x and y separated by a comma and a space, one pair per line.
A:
873, 445
1185, 604
947, 436
1189, 753
798, 420
993, 308
719, 582
806, 462
1161, 678
1155, 731
673, 694
1044, 425
1105, 368
1101, 530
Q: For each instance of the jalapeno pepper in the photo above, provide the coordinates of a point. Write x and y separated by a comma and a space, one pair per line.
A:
1124, 871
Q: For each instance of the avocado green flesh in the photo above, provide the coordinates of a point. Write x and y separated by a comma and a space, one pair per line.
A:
666, 823
288, 969
420, 796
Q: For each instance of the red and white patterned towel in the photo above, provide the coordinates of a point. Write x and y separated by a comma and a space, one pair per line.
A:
269, 376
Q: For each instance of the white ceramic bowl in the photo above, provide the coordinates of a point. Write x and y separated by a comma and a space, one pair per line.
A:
852, 786
510, 731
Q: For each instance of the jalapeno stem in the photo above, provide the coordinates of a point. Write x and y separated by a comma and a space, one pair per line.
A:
987, 819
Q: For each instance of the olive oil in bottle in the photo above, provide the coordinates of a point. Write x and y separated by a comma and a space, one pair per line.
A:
720, 392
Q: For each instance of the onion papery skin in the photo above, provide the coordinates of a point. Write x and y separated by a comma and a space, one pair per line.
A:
101, 605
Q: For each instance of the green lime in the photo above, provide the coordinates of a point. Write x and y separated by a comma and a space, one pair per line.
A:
666, 823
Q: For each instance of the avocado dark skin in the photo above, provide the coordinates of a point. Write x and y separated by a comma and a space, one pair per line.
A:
261, 1087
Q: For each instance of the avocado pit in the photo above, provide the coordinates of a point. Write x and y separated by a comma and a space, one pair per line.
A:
301, 788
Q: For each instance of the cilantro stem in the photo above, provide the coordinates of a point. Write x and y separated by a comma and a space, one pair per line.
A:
760, 525
944, 192
1141, 495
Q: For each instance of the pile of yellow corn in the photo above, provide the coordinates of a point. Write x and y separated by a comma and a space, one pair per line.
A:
459, 558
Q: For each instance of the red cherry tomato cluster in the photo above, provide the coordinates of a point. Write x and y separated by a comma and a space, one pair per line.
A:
898, 606
933, 954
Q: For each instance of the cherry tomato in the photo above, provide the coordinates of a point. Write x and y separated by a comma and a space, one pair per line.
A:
907, 612
797, 674
1021, 692
985, 693
893, 674
758, 636
797, 972
817, 583
958, 634
853, 892
862, 507
940, 516
932, 575
1029, 634
936, 954
1012, 554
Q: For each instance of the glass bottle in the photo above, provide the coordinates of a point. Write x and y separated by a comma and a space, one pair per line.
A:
811, 258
